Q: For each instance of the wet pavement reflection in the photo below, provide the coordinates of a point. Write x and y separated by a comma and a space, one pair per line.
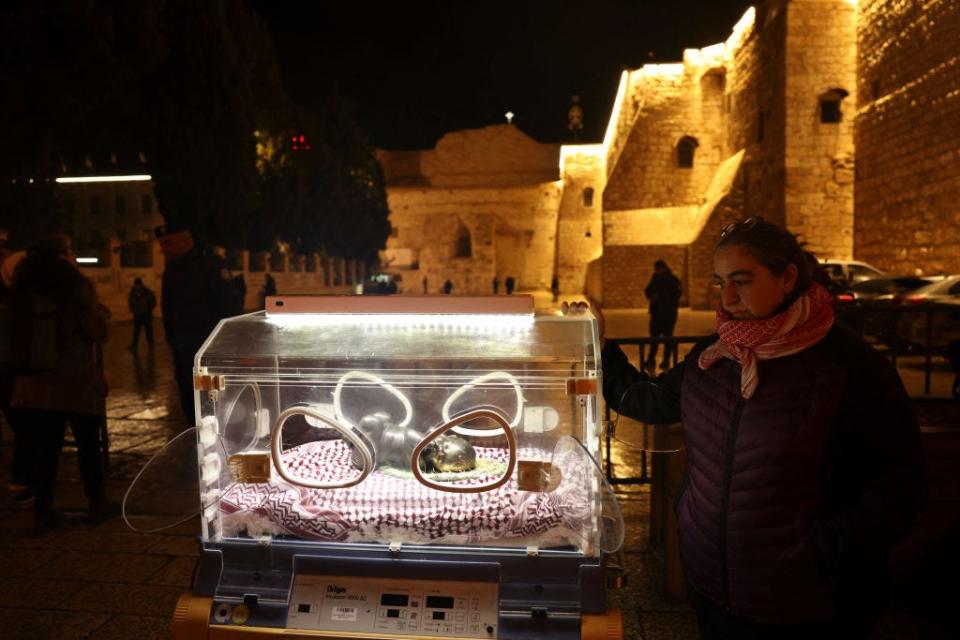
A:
143, 410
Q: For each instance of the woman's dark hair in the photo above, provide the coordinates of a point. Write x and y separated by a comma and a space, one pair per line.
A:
775, 248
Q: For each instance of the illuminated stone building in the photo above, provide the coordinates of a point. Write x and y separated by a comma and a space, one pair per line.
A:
769, 122
482, 204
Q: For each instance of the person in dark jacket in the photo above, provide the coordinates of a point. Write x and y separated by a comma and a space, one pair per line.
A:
141, 302
74, 391
804, 459
269, 289
20, 462
197, 293
663, 291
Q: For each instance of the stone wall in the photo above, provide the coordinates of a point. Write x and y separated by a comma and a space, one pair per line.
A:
627, 270
907, 135
498, 155
702, 294
580, 222
818, 186
754, 106
485, 203
676, 101
511, 231
896, 65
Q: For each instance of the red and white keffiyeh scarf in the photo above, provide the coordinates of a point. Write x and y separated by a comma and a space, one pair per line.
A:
803, 324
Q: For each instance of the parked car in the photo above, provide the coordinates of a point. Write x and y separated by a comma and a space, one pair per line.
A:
378, 284
870, 306
945, 295
850, 271
886, 287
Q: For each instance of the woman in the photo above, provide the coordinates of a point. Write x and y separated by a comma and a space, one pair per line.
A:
74, 390
805, 465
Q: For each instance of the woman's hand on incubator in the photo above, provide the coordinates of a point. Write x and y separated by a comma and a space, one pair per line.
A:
579, 307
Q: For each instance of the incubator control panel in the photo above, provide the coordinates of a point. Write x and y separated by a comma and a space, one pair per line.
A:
423, 608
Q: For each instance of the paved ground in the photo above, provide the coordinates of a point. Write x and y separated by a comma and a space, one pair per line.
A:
108, 582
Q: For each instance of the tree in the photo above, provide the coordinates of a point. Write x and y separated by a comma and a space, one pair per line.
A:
325, 192
218, 83
196, 86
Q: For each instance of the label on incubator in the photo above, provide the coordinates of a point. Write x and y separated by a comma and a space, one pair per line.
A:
399, 606
344, 614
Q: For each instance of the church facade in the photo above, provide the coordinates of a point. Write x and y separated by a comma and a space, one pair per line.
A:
839, 119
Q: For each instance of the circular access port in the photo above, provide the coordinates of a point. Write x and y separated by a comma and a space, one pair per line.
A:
222, 613
240, 614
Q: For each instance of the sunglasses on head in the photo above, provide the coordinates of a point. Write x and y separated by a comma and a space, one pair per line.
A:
740, 225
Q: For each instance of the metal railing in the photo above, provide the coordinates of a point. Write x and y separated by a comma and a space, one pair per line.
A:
893, 329
672, 344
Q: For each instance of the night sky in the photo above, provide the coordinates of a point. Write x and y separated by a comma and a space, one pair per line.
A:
416, 70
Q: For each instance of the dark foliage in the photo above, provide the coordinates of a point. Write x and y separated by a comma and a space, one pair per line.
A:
189, 84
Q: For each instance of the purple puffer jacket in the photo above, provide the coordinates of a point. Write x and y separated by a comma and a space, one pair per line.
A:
794, 497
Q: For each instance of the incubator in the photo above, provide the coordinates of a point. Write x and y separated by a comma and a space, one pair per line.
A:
393, 467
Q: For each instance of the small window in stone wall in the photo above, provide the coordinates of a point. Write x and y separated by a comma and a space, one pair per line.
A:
830, 112
588, 197
258, 261
136, 253
685, 151
463, 248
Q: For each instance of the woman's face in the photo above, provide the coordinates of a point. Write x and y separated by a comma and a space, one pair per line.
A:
749, 290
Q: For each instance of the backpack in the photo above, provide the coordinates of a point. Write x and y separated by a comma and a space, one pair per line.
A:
28, 332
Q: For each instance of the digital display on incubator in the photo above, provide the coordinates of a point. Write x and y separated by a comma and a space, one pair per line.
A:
439, 602
393, 613
439, 615
394, 600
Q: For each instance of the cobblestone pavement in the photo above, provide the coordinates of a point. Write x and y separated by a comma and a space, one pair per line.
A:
107, 582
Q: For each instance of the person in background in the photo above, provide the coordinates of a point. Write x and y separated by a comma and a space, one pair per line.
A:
269, 285
197, 293
555, 287
141, 302
424, 284
241, 283
447, 287
804, 459
19, 486
74, 391
508, 285
496, 285
663, 291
